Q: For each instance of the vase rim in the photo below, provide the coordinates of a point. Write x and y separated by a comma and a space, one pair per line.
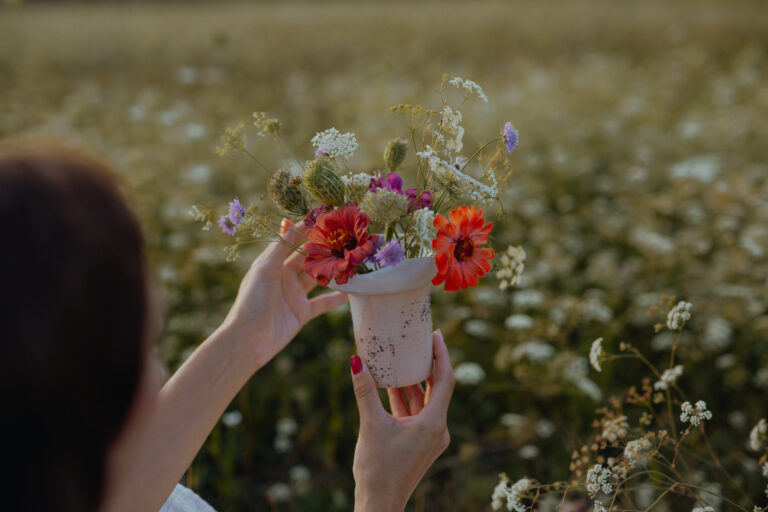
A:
412, 273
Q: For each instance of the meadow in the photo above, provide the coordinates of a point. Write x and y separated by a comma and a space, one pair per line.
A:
641, 175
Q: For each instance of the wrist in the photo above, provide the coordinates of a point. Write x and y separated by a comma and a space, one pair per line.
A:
378, 499
243, 357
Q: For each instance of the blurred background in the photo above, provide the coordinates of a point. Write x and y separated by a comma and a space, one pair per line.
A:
642, 171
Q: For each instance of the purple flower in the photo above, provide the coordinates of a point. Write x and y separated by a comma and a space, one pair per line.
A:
390, 255
378, 244
236, 211
418, 201
511, 137
312, 216
391, 182
226, 225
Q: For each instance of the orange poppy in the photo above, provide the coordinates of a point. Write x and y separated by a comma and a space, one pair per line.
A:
460, 259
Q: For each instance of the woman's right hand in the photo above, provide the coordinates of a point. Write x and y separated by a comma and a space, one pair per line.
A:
395, 450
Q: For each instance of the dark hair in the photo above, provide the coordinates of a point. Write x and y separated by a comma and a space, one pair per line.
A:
73, 305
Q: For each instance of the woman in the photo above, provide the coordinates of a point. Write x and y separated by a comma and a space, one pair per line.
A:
87, 421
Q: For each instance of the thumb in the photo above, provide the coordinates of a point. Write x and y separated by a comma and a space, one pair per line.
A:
368, 402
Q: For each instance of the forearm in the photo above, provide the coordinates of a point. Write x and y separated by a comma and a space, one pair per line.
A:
377, 501
188, 407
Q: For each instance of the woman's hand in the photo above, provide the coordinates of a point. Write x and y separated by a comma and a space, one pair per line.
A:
395, 450
272, 304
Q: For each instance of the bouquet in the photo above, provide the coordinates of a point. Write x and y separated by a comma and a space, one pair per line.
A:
370, 236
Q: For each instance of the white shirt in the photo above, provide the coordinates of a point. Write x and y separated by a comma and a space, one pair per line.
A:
185, 500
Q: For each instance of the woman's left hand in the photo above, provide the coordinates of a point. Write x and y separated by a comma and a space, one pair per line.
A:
272, 303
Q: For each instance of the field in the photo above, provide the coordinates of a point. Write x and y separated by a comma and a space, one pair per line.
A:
642, 174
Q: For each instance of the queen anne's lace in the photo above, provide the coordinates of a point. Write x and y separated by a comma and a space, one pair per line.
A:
598, 480
637, 450
459, 183
595, 352
469, 87
678, 315
422, 223
335, 144
668, 378
695, 415
512, 494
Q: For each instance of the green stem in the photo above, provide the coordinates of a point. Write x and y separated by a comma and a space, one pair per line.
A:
478, 152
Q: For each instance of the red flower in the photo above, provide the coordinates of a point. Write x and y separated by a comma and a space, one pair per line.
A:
460, 259
338, 242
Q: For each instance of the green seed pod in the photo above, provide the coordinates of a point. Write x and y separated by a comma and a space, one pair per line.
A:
394, 153
323, 182
285, 191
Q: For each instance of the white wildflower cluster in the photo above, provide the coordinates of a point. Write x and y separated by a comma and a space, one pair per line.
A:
469, 373
511, 494
534, 351
599, 480
636, 451
384, 205
423, 226
758, 434
286, 428
469, 87
615, 429
334, 144
356, 186
668, 378
512, 262
599, 507
678, 315
695, 415
458, 183
703, 509
595, 352
451, 134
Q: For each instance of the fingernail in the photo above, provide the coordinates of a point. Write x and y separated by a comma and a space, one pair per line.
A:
356, 363
284, 225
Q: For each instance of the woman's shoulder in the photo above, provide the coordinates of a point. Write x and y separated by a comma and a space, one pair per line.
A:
185, 500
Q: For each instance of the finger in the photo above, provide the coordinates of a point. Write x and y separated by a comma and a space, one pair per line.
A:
294, 261
307, 281
279, 250
397, 403
366, 394
415, 399
442, 381
326, 302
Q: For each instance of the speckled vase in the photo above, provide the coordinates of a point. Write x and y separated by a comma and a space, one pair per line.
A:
392, 320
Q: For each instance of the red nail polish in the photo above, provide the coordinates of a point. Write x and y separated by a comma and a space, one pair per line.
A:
284, 225
356, 363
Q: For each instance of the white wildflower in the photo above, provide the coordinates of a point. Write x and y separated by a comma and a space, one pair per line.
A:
356, 186
636, 451
469, 87
423, 225
668, 378
469, 373
451, 134
534, 350
703, 509
758, 434
384, 205
334, 144
615, 429
765, 469
457, 182
717, 334
279, 492
529, 451
232, 418
598, 480
512, 494
678, 315
595, 353
512, 262
695, 415
518, 322
286, 427
599, 507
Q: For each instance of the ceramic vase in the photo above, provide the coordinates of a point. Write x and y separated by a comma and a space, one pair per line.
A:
392, 320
